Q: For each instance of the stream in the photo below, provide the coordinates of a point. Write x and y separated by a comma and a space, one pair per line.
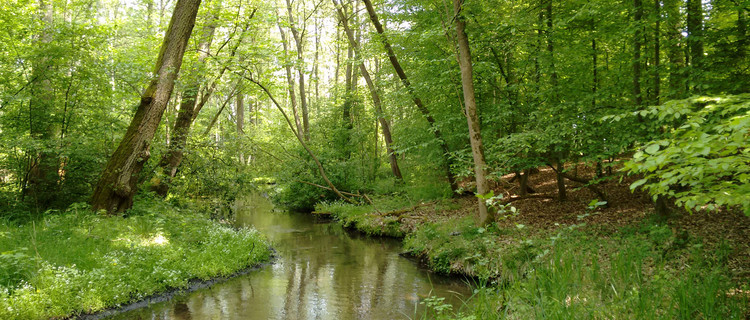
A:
322, 272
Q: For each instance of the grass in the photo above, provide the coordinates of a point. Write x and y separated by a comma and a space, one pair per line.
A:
80, 262
645, 270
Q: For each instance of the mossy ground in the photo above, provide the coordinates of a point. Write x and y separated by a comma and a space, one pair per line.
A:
78, 261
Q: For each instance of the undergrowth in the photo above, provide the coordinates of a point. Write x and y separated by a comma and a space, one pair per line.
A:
641, 272
78, 261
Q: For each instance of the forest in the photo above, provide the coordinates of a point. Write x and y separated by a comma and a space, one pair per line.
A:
556, 159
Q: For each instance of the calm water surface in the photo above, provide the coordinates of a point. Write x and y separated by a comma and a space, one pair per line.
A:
323, 272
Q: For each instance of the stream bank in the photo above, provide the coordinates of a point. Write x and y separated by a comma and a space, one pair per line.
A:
80, 262
573, 259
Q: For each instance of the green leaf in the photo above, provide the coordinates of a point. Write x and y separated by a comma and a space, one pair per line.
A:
652, 149
637, 184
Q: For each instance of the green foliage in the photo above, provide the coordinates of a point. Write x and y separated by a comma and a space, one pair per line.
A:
78, 261
459, 246
625, 275
702, 158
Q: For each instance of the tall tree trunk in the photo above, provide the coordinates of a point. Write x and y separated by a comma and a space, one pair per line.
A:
674, 50
486, 215
119, 181
638, 18
393, 159
594, 71
551, 49
171, 159
316, 66
240, 113
554, 82
348, 95
300, 71
657, 53
290, 80
417, 101
695, 42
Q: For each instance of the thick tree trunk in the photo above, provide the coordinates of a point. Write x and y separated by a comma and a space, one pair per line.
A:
376, 101
486, 215
119, 181
417, 101
171, 159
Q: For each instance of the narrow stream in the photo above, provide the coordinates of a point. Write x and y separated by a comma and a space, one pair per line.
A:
323, 272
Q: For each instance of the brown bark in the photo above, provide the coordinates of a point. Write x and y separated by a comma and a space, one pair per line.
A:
171, 159
374, 94
119, 181
240, 113
417, 101
561, 194
486, 215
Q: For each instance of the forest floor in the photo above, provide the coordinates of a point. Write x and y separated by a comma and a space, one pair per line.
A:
612, 245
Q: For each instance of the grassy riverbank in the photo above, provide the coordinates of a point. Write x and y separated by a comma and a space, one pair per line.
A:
577, 262
77, 262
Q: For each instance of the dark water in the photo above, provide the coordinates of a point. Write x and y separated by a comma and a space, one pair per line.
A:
322, 272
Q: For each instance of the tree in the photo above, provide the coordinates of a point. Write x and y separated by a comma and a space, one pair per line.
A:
417, 101
486, 215
376, 101
119, 181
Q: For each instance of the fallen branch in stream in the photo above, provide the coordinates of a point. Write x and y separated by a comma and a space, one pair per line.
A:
342, 192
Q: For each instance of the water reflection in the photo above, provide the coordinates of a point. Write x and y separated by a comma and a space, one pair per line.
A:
323, 273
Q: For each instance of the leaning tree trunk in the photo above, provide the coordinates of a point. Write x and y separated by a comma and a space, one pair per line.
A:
117, 186
417, 101
171, 159
486, 215
376, 101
